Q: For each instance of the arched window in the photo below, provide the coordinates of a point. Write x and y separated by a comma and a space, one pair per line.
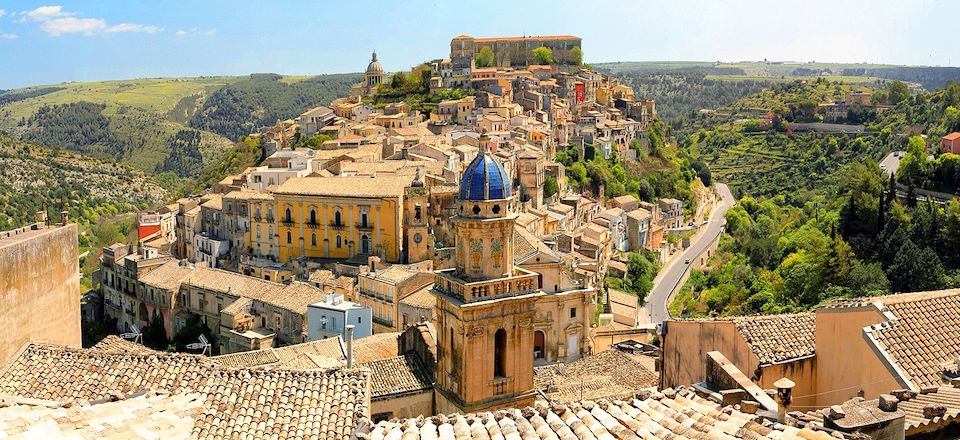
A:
313, 239
339, 242
289, 238
287, 215
336, 219
500, 353
313, 217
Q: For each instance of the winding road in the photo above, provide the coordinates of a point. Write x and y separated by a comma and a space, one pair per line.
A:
655, 310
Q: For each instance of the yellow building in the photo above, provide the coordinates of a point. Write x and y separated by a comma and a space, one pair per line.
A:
332, 217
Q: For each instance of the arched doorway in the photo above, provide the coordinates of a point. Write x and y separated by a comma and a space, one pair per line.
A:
365, 244
539, 345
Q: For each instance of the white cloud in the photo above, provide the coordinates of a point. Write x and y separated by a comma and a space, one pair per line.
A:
195, 31
56, 22
8, 36
2, 12
44, 13
72, 25
133, 27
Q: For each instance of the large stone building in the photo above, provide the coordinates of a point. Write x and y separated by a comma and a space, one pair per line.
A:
39, 286
511, 51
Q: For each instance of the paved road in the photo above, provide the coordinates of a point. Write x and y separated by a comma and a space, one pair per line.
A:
891, 162
670, 275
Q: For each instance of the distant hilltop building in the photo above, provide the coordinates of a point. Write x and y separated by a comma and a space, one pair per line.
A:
511, 51
372, 78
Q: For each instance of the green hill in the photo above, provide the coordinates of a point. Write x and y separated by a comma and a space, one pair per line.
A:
140, 122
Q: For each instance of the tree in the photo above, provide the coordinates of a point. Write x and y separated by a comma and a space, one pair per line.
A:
550, 186
915, 269
639, 278
914, 167
898, 92
485, 57
543, 55
576, 56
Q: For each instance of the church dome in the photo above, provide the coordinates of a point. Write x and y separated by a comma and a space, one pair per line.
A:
374, 66
484, 179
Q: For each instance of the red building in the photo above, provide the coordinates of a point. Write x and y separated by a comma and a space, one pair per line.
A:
950, 143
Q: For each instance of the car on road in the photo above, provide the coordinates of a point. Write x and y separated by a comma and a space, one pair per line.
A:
705, 222
687, 261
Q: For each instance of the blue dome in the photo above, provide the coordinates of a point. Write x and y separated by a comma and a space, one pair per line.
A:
484, 179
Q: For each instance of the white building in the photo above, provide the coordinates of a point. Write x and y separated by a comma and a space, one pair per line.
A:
329, 318
210, 250
280, 167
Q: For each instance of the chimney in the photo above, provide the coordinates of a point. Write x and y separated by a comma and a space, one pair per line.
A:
41, 216
63, 217
372, 262
350, 346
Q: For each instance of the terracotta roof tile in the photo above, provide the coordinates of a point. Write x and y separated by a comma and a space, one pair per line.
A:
375, 347
397, 375
777, 338
682, 415
610, 374
923, 337
257, 403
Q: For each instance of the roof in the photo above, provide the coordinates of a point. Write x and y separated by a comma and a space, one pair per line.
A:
526, 245
255, 403
397, 375
923, 334
116, 344
525, 37
324, 353
610, 374
669, 414
421, 298
913, 405
146, 415
375, 347
484, 179
952, 136
778, 338
379, 186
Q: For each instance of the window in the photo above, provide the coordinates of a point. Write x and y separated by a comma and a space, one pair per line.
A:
313, 217
336, 220
363, 220
313, 239
287, 215
573, 312
339, 242
289, 238
500, 354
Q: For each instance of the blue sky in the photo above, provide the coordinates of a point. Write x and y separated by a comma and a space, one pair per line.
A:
51, 42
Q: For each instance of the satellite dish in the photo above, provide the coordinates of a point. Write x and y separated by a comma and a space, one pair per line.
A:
134, 334
204, 345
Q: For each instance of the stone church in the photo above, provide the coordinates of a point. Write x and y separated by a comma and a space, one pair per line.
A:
493, 317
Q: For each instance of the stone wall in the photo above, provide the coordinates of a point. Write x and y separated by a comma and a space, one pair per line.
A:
39, 288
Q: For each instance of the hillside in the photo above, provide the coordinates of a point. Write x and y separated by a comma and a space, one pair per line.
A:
683, 88
33, 178
819, 218
140, 122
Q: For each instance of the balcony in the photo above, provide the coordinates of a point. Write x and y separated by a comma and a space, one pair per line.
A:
365, 227
313, 225
500, 385
337, 226
520, 283
257, 218
287, 222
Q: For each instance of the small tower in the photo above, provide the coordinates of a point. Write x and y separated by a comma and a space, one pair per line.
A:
485, 305
418, 241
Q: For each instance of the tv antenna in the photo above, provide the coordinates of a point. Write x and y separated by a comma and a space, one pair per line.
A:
204, 345
134, 334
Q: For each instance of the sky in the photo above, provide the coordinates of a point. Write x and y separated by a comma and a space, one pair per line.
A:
53, 42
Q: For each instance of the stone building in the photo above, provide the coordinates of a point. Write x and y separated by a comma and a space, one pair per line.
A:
530, 173
383, 288
39, 285
511, 51
372, 78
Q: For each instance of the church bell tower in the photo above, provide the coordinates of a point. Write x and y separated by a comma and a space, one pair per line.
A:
485, 305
